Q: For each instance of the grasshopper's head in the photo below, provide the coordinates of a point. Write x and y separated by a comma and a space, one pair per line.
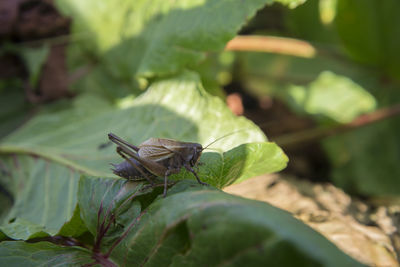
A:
196, 153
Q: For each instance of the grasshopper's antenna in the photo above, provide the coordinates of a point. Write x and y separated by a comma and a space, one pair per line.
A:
226, 135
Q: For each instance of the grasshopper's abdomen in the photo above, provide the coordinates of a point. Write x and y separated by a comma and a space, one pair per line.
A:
127, 171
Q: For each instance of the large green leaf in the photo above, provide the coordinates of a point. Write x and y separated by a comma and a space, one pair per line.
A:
370, 32
17, 253
196, 225
73, 139
152, 38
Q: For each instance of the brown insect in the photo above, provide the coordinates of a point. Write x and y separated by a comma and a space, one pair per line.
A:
156, 157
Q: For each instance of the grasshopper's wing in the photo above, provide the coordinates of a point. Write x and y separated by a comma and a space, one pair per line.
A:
152, 166
158, 149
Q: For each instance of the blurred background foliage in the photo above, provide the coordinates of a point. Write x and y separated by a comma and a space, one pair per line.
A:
334, 60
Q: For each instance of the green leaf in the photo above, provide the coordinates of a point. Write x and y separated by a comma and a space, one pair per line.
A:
336, 97
17, 253
44, 196
370, 33
238, 164
75, 226
73, 139
196, 225
166, 37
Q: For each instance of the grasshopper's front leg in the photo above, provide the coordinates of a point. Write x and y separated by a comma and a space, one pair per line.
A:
189, 168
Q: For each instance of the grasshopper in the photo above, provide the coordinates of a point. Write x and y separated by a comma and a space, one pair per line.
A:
156, 157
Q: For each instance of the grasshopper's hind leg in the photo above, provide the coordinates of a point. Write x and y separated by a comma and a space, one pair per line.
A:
121, 152
118, 141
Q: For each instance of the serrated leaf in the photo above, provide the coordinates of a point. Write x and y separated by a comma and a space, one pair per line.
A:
238, 164
195, 225
17, 253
